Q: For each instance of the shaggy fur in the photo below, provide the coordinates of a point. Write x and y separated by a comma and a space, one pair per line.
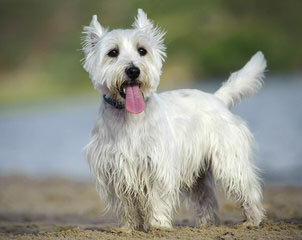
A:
181, 143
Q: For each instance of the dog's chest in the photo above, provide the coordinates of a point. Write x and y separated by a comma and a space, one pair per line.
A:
137, 142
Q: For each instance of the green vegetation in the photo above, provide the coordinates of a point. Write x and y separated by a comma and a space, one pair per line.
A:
40, 40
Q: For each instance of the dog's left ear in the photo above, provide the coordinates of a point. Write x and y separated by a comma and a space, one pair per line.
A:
142, 22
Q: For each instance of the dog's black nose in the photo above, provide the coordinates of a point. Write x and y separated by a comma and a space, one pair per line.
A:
133, 72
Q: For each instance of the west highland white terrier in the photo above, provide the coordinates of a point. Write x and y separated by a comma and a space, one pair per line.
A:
147, 148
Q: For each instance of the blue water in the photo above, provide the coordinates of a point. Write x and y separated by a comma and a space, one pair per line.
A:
46, 139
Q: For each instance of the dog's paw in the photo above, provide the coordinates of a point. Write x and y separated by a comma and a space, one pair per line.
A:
251, 222
161, 224
123, 229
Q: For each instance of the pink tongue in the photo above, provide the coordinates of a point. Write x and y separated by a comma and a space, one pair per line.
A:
134, 101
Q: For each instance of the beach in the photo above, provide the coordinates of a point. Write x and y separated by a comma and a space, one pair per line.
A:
56, 208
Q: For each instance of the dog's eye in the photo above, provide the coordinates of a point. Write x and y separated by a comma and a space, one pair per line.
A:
113, 53
142, 51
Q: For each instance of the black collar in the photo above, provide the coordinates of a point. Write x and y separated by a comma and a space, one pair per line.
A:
112, 102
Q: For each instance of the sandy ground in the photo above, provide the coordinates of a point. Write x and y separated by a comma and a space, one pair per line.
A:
60, 209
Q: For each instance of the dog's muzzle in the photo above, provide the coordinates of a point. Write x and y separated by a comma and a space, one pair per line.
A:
130, 90
132, 72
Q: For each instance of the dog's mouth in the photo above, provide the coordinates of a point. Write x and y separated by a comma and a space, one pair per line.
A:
134, 102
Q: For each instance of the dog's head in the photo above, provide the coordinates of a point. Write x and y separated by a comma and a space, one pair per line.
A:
125, 64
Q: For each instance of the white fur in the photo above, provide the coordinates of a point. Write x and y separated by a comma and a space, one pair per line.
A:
243, 83
183, 142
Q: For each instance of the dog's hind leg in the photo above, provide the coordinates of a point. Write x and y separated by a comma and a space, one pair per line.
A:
235, 170
246, 190
203, 197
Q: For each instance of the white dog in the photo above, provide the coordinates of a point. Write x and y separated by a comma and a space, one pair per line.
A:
148, 148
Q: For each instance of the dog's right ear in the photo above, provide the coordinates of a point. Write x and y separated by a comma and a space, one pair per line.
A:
93, 33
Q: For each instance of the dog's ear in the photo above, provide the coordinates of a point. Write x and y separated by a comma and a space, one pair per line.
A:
142, 22
93, 32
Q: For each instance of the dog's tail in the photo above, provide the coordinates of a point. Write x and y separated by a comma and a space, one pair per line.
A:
243, 83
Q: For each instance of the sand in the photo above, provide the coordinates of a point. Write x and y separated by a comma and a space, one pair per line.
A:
61, 209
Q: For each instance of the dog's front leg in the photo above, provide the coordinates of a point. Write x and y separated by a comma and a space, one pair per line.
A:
161, 209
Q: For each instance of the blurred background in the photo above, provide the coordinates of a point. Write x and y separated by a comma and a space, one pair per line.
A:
48, 104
